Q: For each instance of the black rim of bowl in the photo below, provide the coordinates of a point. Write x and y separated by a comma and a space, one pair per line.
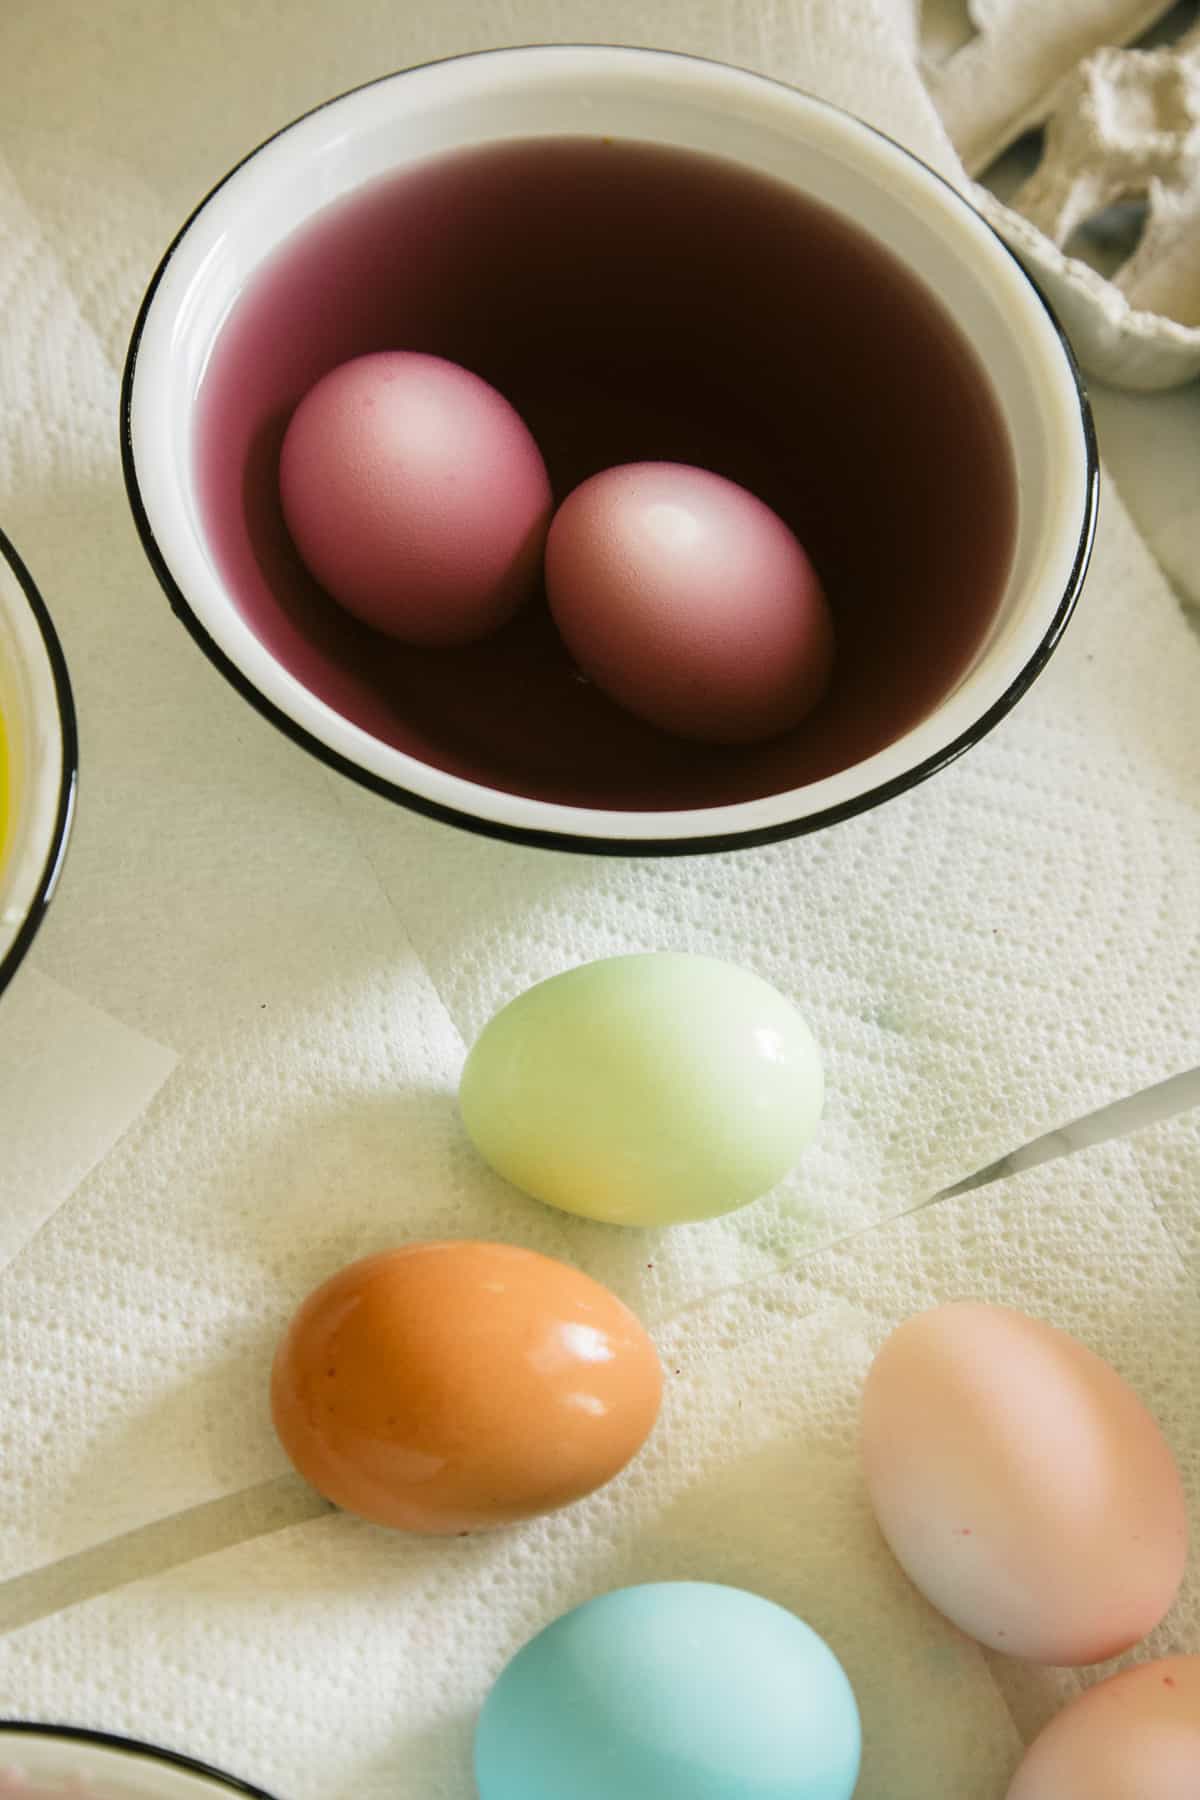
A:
683, 845
69, 738
107, 1740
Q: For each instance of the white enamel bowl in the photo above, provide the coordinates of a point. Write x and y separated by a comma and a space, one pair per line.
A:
63, 1762
665, 98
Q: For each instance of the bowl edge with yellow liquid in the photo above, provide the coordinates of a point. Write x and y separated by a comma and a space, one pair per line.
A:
38, 759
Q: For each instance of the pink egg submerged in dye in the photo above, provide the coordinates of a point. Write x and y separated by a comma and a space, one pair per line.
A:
416, 496
689, 602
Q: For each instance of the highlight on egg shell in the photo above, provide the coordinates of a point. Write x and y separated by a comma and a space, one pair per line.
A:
671, 1691
1135, 1736
416, 496
1022, 1485
458, 1386
644, 1090
689, 602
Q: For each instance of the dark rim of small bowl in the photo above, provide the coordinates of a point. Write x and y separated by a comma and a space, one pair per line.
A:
134, 1747
68, 783
707, 844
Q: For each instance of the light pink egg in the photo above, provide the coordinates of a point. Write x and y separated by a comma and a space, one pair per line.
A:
1022, 1485
1133, 1737
689, 602
416, 497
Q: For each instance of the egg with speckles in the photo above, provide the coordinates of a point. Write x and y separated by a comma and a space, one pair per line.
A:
453, 1387
416, 496
1022, 1484
1135, 1736
689, 602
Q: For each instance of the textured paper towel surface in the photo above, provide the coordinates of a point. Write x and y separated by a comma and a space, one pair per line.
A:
1160, 1355
216, 899
1153, 448
72, 1080
1033, 868
117, 120
1095, 1243
987, 957
1170, 1156
315, 1125
334, 1661
1005, 947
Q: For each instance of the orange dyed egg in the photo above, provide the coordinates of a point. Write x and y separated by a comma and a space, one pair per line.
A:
1022, 1485
453, 1387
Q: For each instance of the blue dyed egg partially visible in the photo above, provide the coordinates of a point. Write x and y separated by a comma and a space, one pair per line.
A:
673, 1691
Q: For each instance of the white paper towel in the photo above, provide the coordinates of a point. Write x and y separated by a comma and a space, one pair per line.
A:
903, 935
215, 899
1096, 1243
1009, 945
989, 956
336, 1660
1153, 448
1171, 1154
315, 1117
72, 1080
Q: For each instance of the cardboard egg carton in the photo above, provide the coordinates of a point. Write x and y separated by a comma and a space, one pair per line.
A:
1122, 128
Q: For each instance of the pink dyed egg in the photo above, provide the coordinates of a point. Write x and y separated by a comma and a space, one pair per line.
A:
1022, 1484
416, 497
689, 602
1135, 1736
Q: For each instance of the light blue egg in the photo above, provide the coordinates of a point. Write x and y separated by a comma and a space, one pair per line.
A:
673, 1691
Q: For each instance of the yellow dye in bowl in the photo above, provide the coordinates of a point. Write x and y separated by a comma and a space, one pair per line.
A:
4, 805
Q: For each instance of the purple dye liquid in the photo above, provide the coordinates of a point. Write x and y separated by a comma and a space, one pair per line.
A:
633, 303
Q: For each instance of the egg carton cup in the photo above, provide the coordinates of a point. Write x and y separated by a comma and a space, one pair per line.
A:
1121, 125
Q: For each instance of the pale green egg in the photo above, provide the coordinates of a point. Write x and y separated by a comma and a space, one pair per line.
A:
645, 1090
